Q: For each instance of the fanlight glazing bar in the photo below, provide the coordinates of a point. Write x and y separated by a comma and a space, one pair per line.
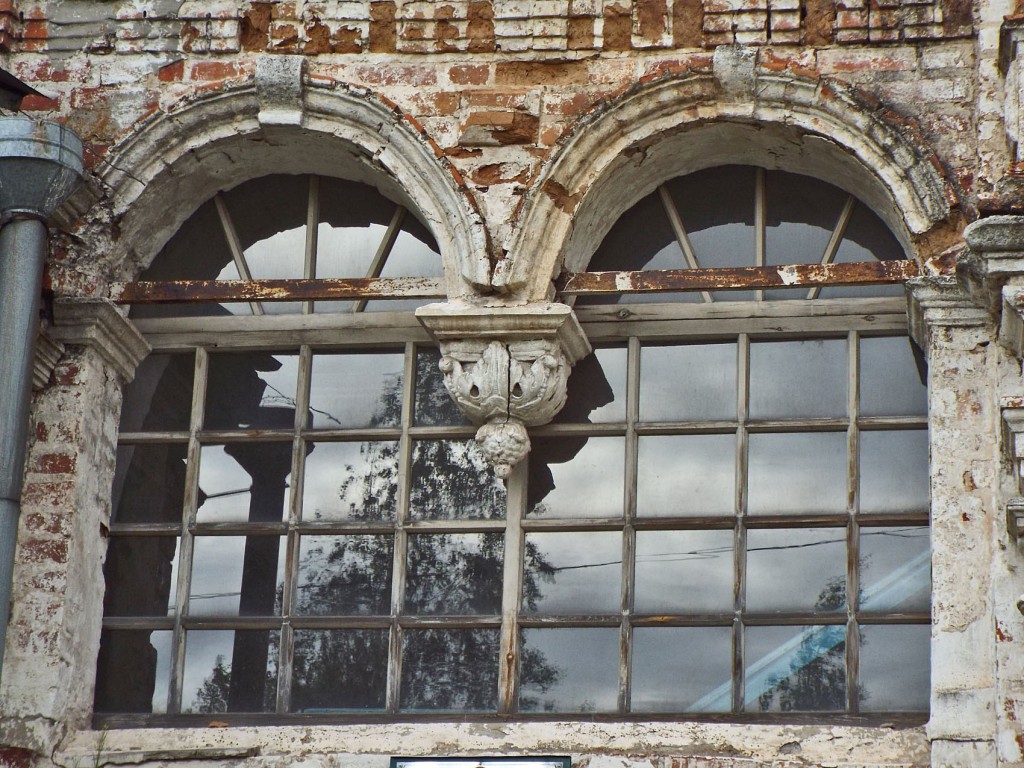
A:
237, 254
676, 222
837, 237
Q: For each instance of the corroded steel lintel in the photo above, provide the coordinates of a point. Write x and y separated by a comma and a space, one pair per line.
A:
230, 291
738, 278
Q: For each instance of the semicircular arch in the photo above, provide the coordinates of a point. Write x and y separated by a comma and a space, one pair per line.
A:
155, 179
681, 125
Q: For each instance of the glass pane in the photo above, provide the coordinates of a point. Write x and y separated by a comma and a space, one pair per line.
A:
795, 669
798, 379
892, 381
244, 482
686, 475
339, 670
159, 398
694, 382
684, 572
450, 670
894, 471
682, 669
569, 670
434, 406
895, 569
596, 389
796, 569
141, 573
253, 391
356, 390
451, 479
576, 477
149, 484
350, 481
895, 668
572, 573
455, 573
134, 671
716, 206
797, 473
801, 213
229, 671
237, 576
344, 575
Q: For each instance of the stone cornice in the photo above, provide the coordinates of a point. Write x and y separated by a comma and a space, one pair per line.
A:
97, 325
940, 301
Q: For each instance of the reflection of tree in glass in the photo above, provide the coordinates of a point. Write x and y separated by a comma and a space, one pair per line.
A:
817, 680
453, 574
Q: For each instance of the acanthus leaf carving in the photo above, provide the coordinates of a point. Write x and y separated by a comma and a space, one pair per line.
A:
507, 368
504, 388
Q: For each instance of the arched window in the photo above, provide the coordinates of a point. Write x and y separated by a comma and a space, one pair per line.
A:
729, 516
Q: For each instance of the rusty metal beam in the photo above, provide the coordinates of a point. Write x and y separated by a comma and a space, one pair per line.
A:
737, 278
230, 291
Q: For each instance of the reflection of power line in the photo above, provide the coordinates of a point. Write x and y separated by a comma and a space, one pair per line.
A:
709, 553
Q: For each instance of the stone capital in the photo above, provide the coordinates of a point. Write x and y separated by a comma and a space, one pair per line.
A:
994, 260
507, 368
97, 325
940, 302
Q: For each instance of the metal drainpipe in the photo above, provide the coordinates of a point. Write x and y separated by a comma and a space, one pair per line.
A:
40, 165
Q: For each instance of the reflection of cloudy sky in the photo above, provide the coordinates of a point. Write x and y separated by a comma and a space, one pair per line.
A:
890, 384
797, 473
673, 667
346, 389
217, 574
894, 471
326, 472
686, 475
789, 569
684, 571
588, 571
688, 382
590, 485
894, 667
798, 379
588, 660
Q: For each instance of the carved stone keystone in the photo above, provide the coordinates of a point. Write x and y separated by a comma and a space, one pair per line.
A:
506, 368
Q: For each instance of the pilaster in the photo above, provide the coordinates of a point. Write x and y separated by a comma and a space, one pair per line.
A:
955, 333
57, 594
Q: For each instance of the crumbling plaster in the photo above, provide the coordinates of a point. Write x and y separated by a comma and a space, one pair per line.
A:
519, 138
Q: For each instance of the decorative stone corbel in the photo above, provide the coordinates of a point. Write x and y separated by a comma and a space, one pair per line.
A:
936, 302
506, 368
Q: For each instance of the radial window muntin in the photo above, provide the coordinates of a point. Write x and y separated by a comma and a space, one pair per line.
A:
399, 637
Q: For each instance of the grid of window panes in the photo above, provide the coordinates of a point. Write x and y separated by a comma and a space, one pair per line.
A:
737, 525
300, 530
765, 547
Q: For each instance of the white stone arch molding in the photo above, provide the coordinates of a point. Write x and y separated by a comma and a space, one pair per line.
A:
672, 127
280, 121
